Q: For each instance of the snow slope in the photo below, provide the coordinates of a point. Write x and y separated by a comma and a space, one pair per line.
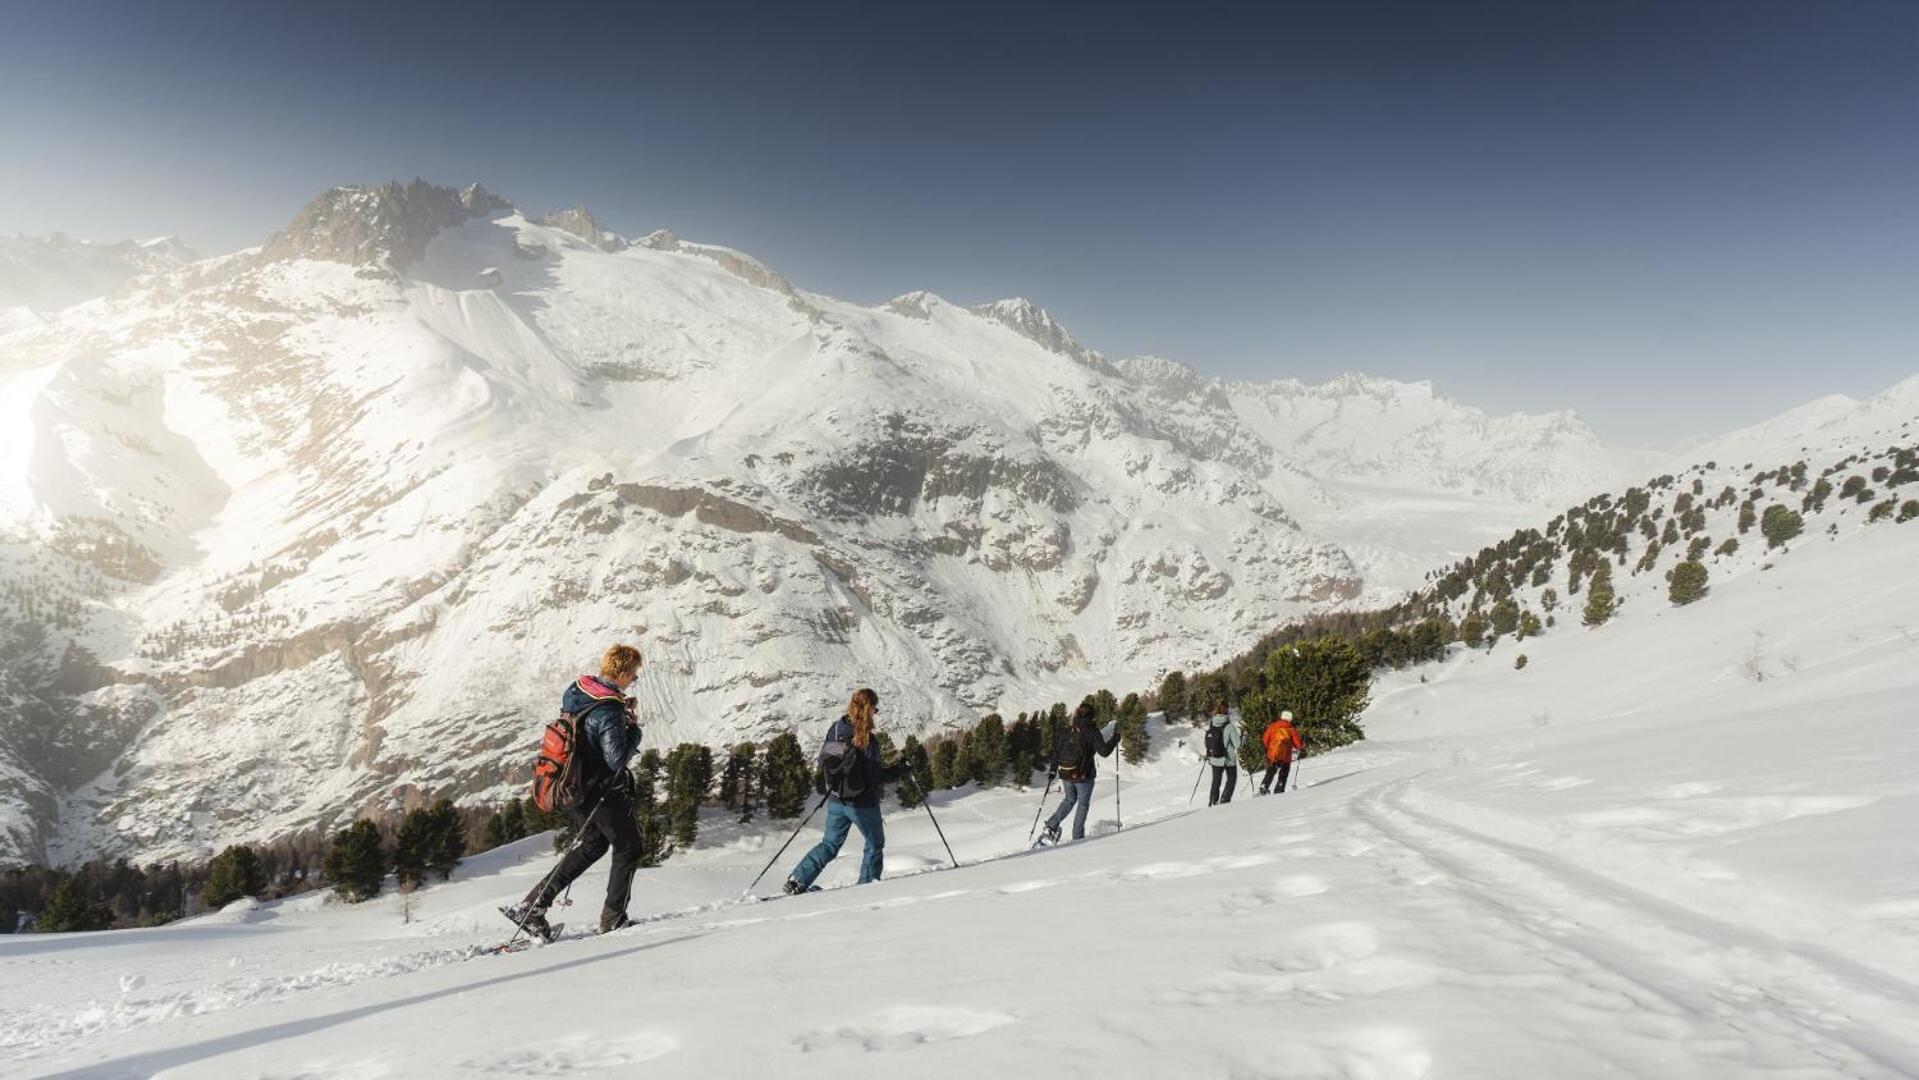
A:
1629, 858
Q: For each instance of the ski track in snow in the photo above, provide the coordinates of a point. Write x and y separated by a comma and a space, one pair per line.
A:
1710, 975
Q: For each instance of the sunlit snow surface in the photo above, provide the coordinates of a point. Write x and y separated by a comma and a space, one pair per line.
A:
1629, 859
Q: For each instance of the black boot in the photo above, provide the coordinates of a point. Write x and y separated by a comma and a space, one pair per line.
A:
792, 888
611, 920
530, 917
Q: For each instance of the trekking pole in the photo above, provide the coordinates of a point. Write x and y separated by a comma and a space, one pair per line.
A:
1034, 831
1119, 822
578, 836
1196, 780
927, 802
748, 891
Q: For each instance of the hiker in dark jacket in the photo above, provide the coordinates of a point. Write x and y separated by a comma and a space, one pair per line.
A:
1076, 763
853, 793
609, 736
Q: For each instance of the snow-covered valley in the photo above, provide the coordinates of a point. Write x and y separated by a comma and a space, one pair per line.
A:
1640, 855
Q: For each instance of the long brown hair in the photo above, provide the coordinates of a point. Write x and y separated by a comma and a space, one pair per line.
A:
860, 711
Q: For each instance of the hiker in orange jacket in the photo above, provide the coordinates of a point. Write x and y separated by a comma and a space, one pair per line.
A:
1283, 744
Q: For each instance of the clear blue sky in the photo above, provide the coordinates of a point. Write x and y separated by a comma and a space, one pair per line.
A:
1674, 218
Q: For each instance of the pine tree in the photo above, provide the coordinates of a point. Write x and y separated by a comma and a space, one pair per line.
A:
410, 848
448, 838
648, 816
736, 783
1549, 600
1747, 515
920, 766
1688, 582
1600, 599
689, 775
1256, 710
513, 821
1529, 626
946, 764
787, 777
989, 751
234, 873
1326, 684
1132, 730
1519, 662
69, 908
1779, 525
1505, 617
1019, 751
1472, 629
1172, 696
355, 862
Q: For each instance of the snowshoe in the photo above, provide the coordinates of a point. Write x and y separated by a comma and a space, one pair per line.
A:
533, 920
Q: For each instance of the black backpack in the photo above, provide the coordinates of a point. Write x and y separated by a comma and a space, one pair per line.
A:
1215, 740
844, 765
1069, 754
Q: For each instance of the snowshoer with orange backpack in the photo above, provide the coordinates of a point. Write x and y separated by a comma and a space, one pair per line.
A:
582, 771
1283, 745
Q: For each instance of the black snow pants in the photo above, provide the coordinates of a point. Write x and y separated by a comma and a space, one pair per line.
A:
1282, 768
1217, 794
611, 826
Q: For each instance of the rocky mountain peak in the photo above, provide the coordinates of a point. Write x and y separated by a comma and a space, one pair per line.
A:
387, 223
579, 221
1034, 323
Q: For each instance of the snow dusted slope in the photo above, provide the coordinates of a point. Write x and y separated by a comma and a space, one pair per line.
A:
44, 274
1628, 859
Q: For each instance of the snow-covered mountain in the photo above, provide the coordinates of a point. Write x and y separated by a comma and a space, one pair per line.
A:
294, 532
43, 274
1826, 427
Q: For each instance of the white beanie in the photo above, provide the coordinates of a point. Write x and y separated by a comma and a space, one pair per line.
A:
1286, 715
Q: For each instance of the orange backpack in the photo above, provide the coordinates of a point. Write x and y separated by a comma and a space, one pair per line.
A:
558, 777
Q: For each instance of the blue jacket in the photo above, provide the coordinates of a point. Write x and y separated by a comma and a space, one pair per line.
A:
605, 725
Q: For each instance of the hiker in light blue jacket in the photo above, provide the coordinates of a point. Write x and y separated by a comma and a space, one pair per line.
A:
1222, 753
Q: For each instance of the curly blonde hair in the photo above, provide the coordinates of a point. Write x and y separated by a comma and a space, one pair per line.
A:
619, 661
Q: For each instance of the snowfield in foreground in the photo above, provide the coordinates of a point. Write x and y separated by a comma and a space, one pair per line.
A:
1633, 858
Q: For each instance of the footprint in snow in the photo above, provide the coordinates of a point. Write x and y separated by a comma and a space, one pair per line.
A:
1027, 886
1290, 887
1353, 1054
583, 1052
903, 1027
1166, 870
1328, 962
